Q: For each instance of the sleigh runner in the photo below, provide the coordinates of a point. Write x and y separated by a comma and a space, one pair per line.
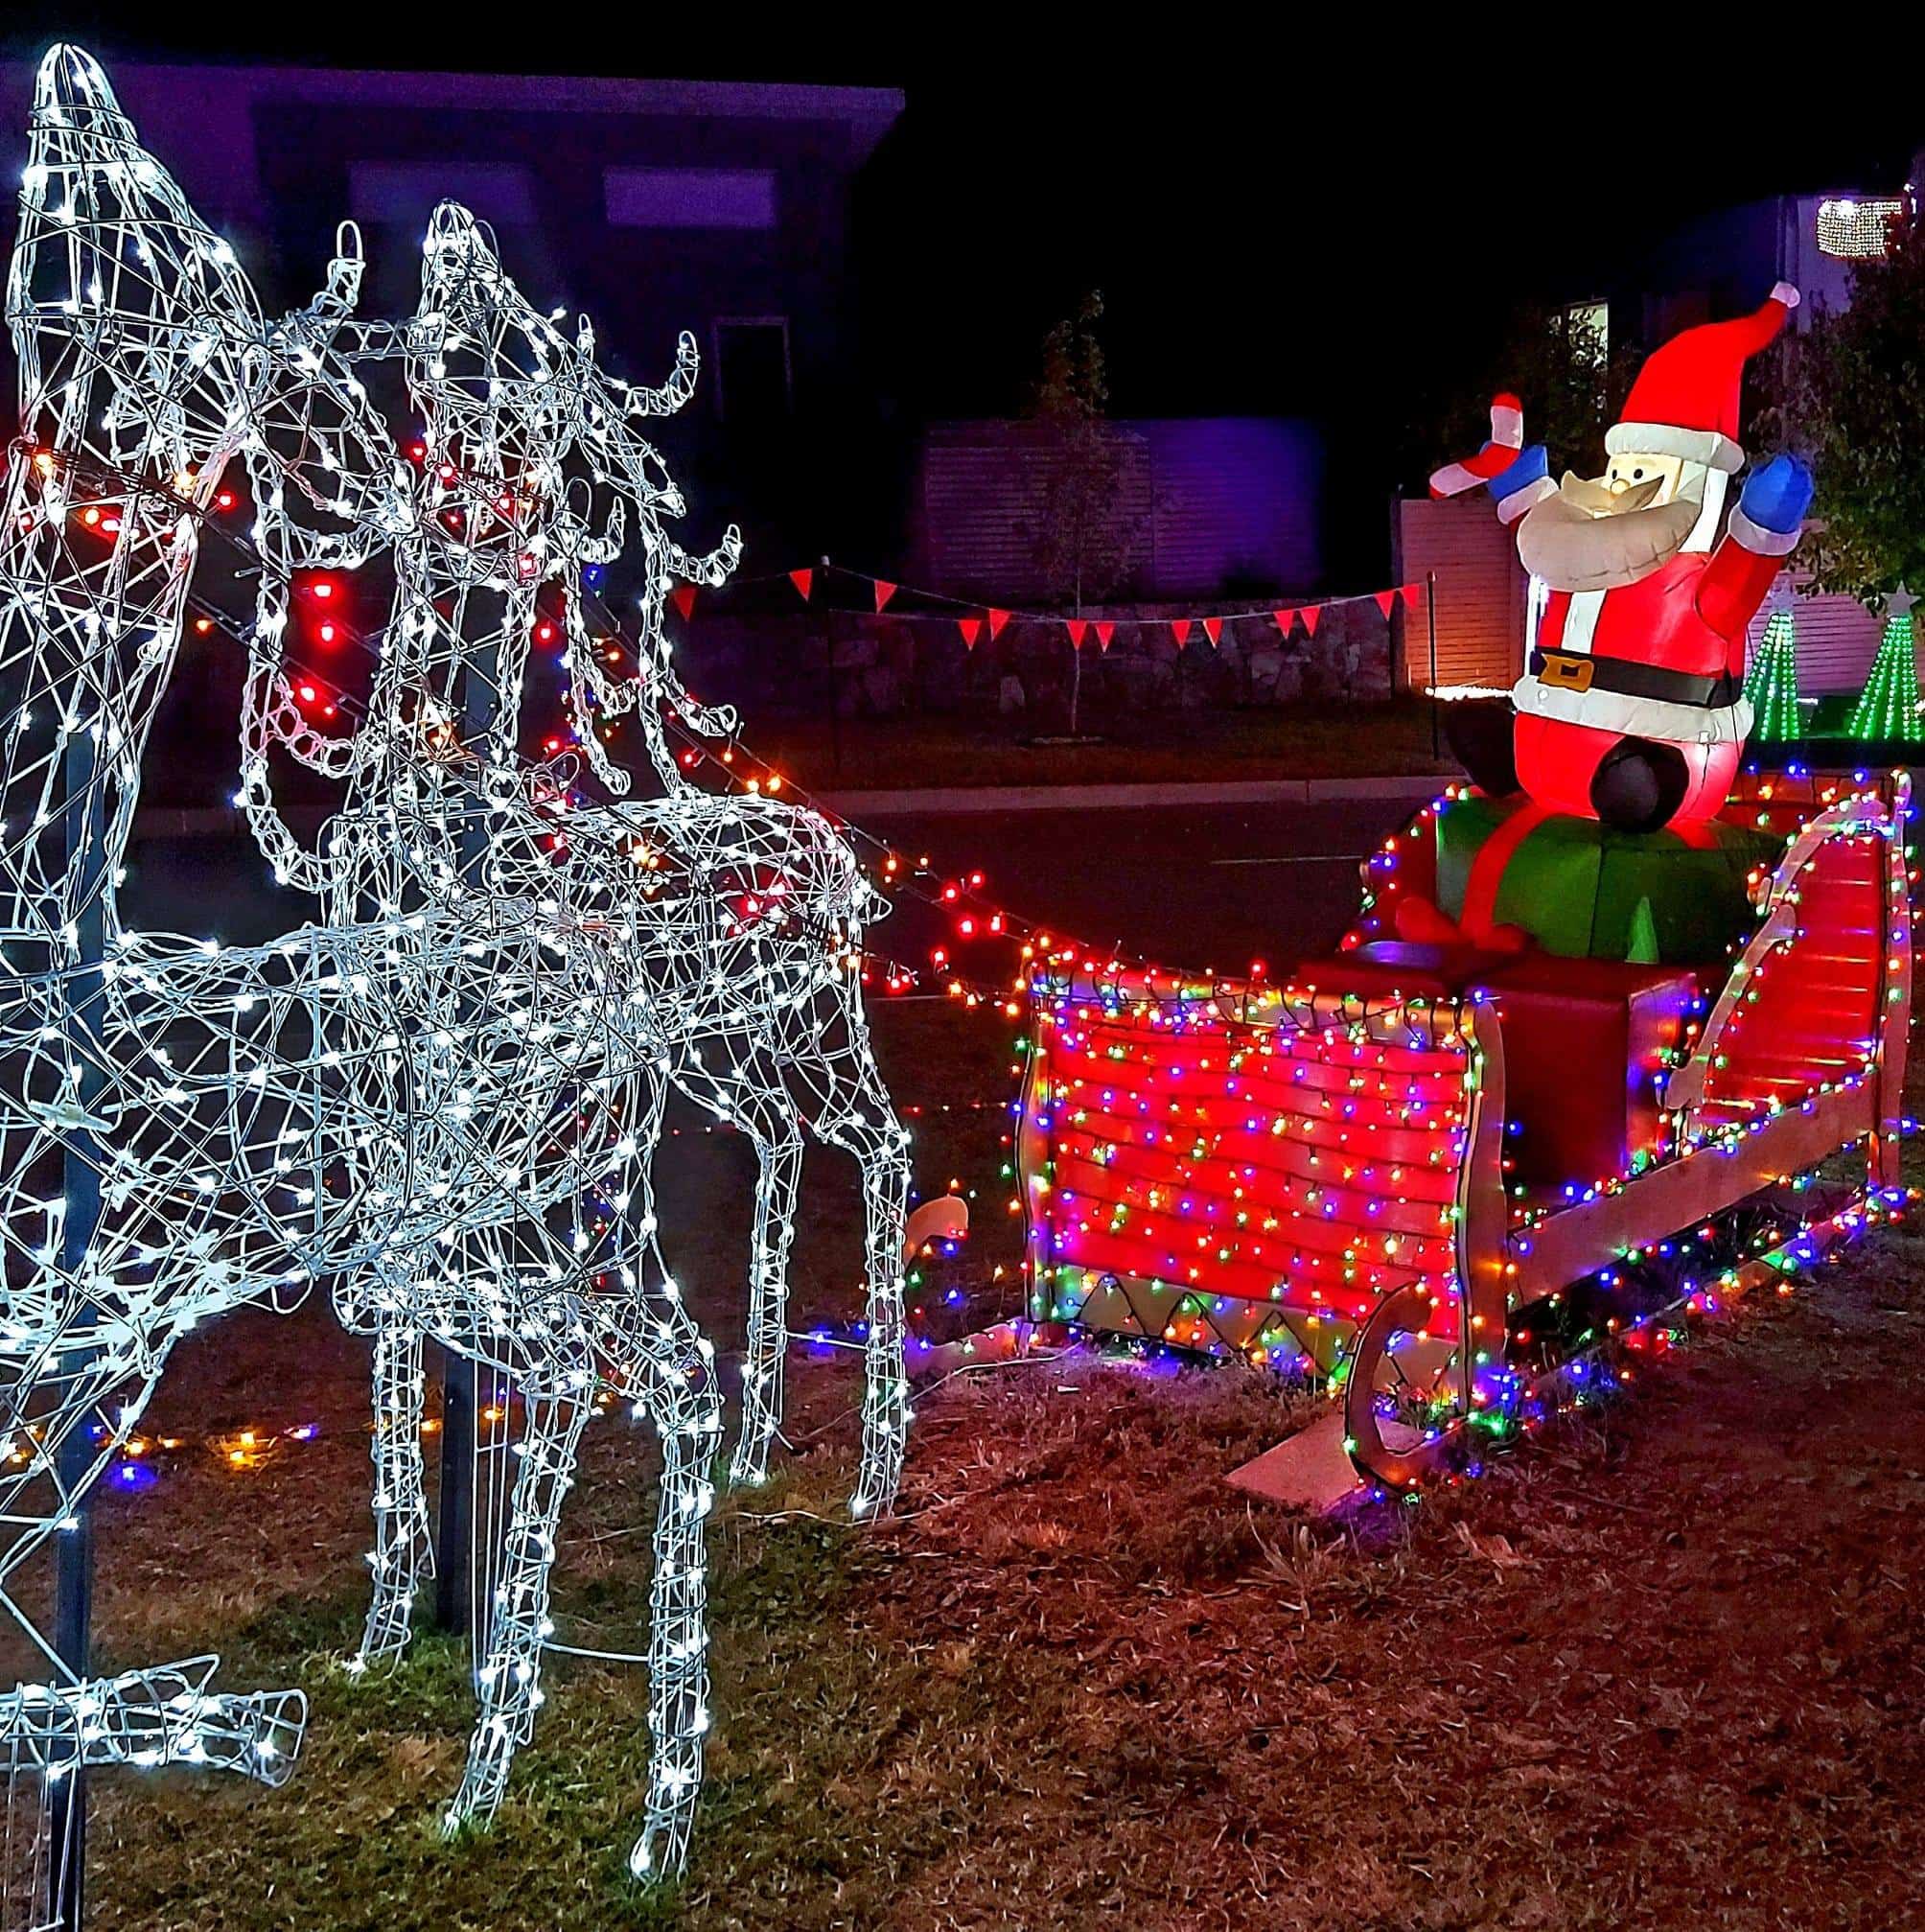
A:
1412, 1167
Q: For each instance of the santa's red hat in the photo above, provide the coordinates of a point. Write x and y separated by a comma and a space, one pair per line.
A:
1684, 402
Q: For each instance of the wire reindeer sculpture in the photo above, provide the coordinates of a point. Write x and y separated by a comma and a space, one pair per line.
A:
752, 910
190, 1125
419, 836
746, 913
144, 1166
765, 1025
738, 919
783, 1049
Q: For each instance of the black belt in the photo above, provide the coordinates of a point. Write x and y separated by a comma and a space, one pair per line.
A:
1578, 672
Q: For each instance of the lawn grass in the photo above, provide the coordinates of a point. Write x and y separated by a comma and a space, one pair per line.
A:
1663, 1668
932, 749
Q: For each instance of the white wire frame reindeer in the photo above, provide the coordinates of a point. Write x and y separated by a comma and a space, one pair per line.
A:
747, 1004
422, 814
782, 1053
217, 1098
762, 1022
132, 1161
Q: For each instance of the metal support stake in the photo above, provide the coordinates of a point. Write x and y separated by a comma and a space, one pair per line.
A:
74, 1455
454, 1531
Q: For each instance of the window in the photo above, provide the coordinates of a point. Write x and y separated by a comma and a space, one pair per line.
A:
406, 193
1592, 319
1855, 230
690, 197
752, 368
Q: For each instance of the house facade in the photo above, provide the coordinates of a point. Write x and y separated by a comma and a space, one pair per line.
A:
1198, 506
654, 206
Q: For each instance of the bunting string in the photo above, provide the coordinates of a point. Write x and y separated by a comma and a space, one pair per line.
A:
976, 620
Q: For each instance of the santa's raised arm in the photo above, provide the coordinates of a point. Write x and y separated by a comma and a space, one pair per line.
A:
1631, 707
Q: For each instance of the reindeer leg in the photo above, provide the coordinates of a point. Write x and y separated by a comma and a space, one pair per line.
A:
404, 1551
778, 1150
885, 1409
161, 1715
862, 1119
510, 1678
684, 1402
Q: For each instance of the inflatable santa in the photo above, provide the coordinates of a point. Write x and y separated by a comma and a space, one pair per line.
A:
1631, 707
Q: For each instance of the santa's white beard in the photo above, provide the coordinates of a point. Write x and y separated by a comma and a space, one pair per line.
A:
1570, 549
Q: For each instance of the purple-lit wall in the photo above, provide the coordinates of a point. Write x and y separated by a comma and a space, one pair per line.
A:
1208, 505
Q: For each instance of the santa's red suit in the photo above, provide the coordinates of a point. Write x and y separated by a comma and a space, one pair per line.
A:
1652, 669
1662, 659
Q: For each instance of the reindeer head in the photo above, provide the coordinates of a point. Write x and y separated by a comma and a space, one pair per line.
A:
137, 334
141, 343
487, 375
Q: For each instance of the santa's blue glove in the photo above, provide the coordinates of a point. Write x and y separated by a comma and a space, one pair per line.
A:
1531, 466
1778, 493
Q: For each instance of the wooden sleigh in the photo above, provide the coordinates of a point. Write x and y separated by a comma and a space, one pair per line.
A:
1368, 1174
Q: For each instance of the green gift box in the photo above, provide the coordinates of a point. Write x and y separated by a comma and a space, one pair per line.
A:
1584, 891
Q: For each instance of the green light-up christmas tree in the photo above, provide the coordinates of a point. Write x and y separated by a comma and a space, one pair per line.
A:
1771, 684
1888, 707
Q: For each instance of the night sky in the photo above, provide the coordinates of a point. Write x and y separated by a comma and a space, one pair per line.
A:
1284, 218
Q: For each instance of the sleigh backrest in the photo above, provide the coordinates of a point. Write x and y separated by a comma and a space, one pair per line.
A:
1809, 1003
1227, 1167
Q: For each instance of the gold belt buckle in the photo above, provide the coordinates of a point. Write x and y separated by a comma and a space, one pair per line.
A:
1566, 672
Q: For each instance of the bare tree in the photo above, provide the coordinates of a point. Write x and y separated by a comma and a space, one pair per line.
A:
1085, 541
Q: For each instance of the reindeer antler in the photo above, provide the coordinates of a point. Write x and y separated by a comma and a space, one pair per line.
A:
673, 394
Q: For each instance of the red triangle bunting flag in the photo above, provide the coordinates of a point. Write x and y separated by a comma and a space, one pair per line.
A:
997, 619
1384, 601
884, 591
971, 628
1179, 629
1104, 631
803, 580
682, 597
1284, 619
1075, 626
1412, 594
1310, 614
1213, 628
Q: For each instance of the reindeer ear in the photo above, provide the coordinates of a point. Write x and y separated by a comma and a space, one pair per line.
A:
585, 336
71, 90
118, 198
344, 285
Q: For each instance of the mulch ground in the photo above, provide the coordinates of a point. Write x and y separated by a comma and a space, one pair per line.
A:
1662, 1667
